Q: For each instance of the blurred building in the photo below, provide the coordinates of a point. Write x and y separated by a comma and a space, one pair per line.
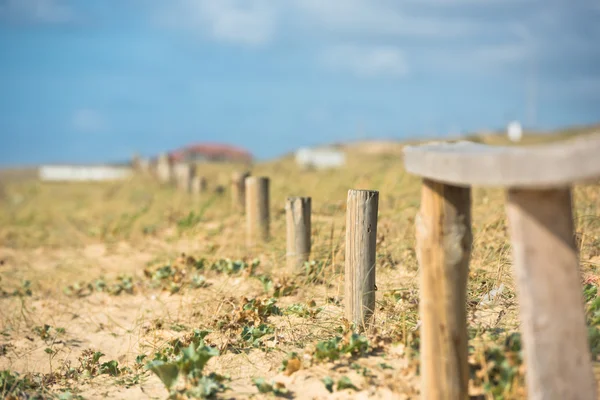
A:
210, 152
83, 173
514, 131
320, 158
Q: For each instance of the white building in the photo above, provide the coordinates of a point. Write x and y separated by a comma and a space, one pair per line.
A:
320, 158
514, 131
62, 173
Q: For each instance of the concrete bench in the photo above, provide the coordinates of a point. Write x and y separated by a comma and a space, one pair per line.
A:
538, 181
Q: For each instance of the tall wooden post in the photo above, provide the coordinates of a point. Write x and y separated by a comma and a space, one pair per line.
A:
361, 238
444, 240
297, 211
546, 268
140, 164
191, 177
183, 173
198, 185
135, 161
257, 209
238, 190
144, 166
163, 169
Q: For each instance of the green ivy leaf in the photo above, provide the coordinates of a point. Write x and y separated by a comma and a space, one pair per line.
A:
262, 385
111, 368
328, 383
345, 383
167, 372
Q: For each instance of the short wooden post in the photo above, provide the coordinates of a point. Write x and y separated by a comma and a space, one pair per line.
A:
182, 172
238, 190
361, 238
444, 240
144, 166
198, 185
135, 161
163, 169
191, 177
546, 269
140, 164
257, 209
297, 210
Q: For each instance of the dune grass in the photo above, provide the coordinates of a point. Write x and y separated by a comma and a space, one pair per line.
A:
104, 283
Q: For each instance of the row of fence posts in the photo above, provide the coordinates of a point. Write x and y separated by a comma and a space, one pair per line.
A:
250, 196
183, 175
361, 237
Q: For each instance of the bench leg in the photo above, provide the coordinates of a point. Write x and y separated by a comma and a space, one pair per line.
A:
546, 269
444, 239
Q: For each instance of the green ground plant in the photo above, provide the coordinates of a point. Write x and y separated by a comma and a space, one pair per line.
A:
112, 289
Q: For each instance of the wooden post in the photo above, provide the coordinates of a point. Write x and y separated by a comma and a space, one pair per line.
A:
238, 190
444, 240
297, 210
198, 185
144, 166
361, 237
140, 164
135, 161
190, 177
163, 169
257, 209
182, 172
546, 269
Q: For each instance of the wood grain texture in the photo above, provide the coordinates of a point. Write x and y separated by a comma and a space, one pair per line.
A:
198, 185
541, 166
549, 288
361, 238
238, 190
192, 175
298, 226
257, 209
164, 169
182, 172
444, 240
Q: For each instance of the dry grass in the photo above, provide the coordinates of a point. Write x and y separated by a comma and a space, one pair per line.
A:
58, 235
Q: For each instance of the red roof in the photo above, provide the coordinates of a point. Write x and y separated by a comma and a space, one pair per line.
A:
212, 150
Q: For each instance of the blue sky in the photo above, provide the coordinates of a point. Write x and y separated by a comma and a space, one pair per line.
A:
96, 80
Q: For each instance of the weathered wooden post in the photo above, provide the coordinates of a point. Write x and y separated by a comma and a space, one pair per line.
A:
135, 161
297, 210
538, 181
140, 164
144, 166
198, 185
361, 238
191, 177
182, 172
546, 268
163, 169
444, 239
257, 209
238, 190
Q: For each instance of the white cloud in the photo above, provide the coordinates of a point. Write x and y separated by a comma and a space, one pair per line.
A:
585, 88
367, 61
87, 120
245, 22
500, 55
462, 35
474, 3
481, 59
380, 18
256, 22
39, 11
